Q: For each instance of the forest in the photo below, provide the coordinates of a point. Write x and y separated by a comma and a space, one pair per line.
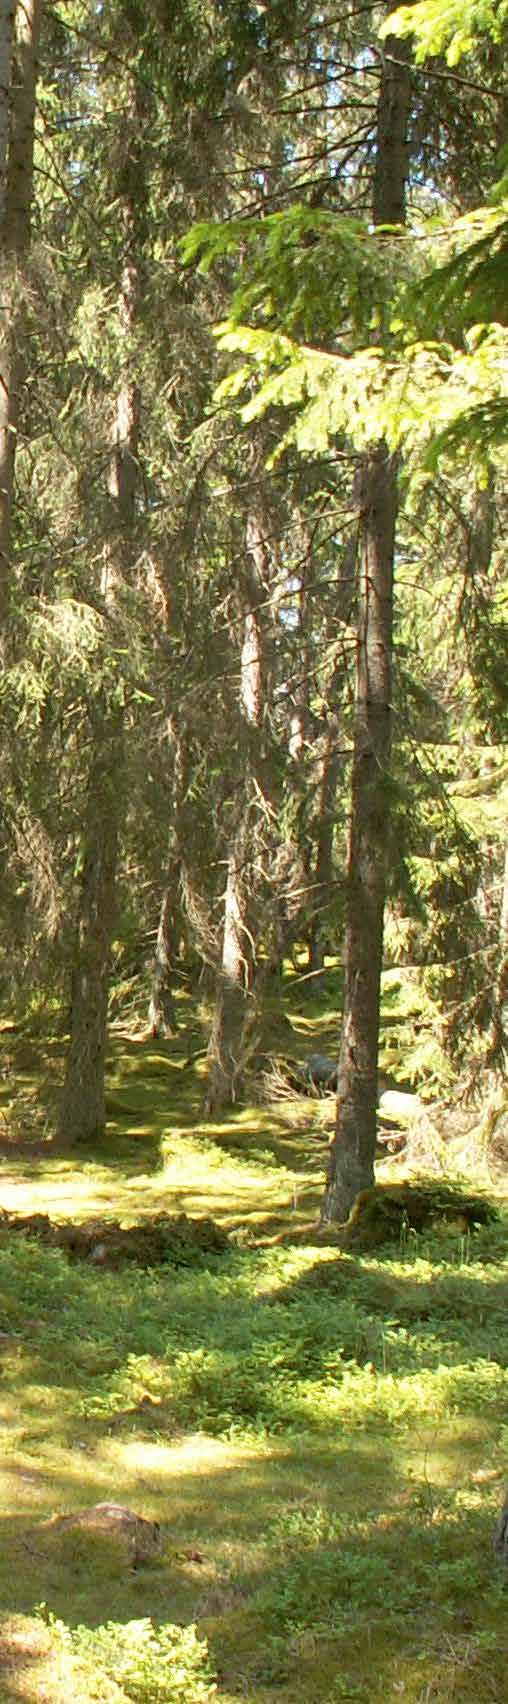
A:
254, 851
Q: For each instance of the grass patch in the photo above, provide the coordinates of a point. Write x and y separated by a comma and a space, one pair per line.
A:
321, 1435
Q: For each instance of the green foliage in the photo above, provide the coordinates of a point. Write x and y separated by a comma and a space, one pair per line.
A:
453, 26
314, 274
149, 1664
429, 398
260, 1353
470, 289
482, 429
310, 288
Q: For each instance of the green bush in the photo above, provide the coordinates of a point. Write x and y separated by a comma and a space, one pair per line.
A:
148, 1664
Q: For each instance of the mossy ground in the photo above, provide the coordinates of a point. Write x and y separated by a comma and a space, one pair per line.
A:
322, 1435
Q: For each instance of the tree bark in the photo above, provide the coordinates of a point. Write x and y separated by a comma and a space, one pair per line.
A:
498, 1046
82, 1112
353, 1148
231, 1023
323, 867
226, 1056
6, 79
501, 1535
321, 876
161, 1011
184, 919
19, 40
351, 1165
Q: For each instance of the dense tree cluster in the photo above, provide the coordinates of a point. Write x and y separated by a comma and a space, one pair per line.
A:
253, 412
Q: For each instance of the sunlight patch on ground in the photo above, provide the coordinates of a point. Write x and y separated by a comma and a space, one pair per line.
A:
55, 1476
195, 1454
187, 1182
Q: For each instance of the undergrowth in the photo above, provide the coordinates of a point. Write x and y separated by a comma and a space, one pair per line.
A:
321, 1435
366, 1397
135, 1662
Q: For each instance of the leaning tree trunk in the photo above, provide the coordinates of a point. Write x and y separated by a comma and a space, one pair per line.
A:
351, 1166
19, 40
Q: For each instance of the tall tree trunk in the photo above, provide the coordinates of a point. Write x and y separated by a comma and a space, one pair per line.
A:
82, 1111
497, 1052
321, 876
161, 1011
183, 911
228, 1043
323, 868
19, 40
352, 1153
351, 1166
226, 1054
6, 80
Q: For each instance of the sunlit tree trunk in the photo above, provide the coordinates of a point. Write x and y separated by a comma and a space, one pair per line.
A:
351, 1166
161, 1011
225, 1052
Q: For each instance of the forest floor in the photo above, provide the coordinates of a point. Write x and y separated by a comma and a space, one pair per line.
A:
321, 1436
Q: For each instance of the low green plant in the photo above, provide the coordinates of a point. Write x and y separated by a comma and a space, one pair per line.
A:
148, 1664
320, 1433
